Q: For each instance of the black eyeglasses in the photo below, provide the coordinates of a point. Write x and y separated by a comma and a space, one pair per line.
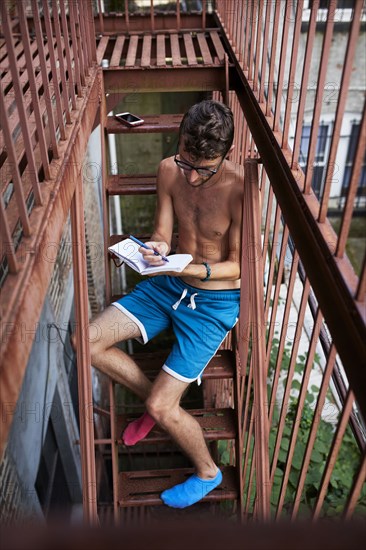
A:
203, 171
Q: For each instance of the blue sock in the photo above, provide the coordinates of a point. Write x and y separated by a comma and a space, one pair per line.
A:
190, 492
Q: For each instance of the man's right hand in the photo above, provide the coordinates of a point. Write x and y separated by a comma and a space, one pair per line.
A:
159, 246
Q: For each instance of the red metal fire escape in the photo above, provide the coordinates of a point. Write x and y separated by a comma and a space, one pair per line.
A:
224, 53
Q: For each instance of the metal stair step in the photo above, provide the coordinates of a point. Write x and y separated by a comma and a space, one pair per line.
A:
221, 366
152, 124
144, 488
217, 424
139, 184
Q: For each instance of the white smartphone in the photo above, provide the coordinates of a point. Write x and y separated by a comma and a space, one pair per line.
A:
129, 119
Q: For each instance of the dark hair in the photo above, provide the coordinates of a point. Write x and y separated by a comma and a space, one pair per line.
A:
207, 130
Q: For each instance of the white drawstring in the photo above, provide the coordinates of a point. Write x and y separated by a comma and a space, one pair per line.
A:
177, 304
192, 303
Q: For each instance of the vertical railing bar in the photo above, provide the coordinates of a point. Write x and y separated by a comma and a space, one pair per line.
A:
65, 31
267, 225
241, 33
81, 40
328, 370
34, 94
246, 451
352, 188
258, 46
228, 16
361, 288
84, 38
127, 17
264, 52
246, 41
65, 96
89, 31
248, 415
342, 98
358, 483
204, 9
246, 139
7, 241
290, 374
253, 38
304, 83
250, 480
327, 42
243, 125
280, 269
234, 15
284, 328
282, 63
299, 408
333, 453
78, 46
114, 450
93, 43
44, 73
101, 19
255, 270
273, 258
241, 136
32, 168
152, 18
292, 73
244, 314
72, 20
263, 186
55, 80
221, 14
83, 357
273, 58
177, 3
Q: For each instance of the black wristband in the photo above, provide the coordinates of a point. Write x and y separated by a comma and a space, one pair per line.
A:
208, 271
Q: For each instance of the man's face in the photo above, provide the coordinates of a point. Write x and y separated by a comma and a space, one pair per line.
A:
196, 172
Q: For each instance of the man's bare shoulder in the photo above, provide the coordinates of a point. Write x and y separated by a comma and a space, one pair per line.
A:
166, 174
235, 176
167, 164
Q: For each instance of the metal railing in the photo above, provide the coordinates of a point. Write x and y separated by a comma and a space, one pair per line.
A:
313, 327
132, 18
49, 88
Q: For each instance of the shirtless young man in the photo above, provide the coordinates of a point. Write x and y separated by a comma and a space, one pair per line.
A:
204, 191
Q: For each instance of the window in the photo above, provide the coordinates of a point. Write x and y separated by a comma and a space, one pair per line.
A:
321, 153
341, 4
361, 190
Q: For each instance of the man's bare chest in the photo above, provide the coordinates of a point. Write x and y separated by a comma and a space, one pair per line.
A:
208, 215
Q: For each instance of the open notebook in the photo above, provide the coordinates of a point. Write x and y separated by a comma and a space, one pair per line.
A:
127, 250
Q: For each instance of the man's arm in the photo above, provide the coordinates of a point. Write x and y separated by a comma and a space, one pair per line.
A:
164, 217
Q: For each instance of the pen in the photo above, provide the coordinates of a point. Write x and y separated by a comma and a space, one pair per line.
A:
148, 248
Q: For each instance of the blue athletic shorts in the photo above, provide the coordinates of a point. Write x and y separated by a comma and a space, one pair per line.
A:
200, 320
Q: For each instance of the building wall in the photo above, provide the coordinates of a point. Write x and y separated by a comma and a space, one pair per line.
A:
48, 397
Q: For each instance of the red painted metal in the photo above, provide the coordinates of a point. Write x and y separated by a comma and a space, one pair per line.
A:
32, 170
333, 453
352, 189
304, 82
292, 72
83, 357
56, 88
327, 42
345, 82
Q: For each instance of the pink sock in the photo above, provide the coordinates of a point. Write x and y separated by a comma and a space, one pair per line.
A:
138, 429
